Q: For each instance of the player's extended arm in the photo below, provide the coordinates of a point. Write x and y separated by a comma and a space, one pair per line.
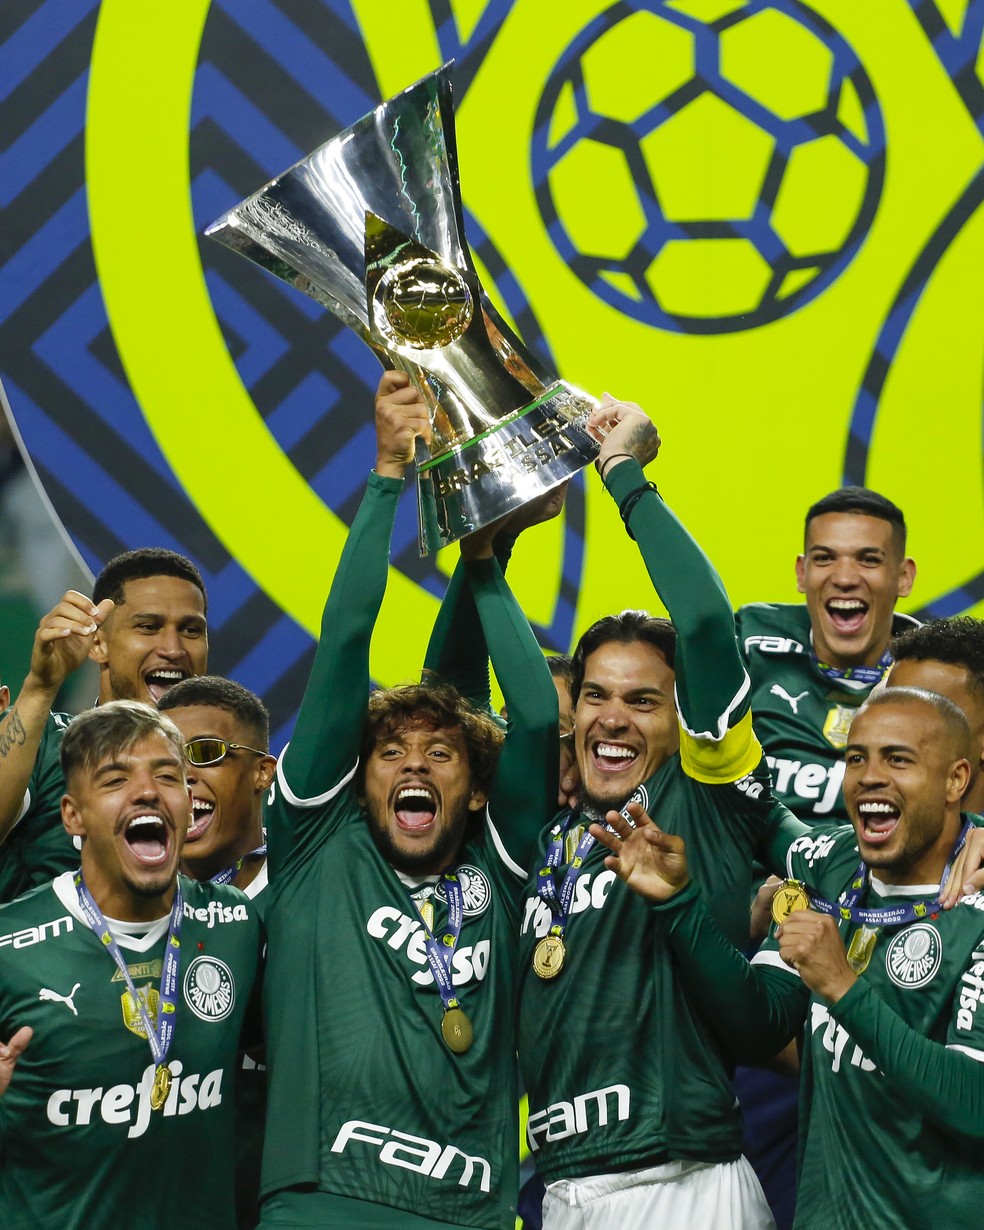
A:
753, 1011
61, 644
945, 1084
524, 792
711, 682
325, 743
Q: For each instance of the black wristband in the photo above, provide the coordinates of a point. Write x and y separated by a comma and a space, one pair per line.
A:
608, 460
630, 501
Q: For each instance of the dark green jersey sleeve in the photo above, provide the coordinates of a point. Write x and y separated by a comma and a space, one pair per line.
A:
944, 1083
323, 752
456, 652
524, 793
754, 1011
717, 744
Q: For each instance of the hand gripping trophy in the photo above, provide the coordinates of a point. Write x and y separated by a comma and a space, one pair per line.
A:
370, 225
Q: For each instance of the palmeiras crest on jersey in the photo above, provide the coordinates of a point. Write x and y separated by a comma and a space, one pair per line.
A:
914, 955
475, 889
209, 988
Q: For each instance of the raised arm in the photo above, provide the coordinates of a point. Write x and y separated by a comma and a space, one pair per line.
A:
325, 744
61, 644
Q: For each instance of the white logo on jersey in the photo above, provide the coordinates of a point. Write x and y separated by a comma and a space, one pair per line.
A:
216, 912
475, 889
971, 991
773, 644
209, 988
778, 690
590, 893
54, 997
37, 935
835, 1039
750, 787
416, 1153
80, 1107
564, 1119
813, 782
914, 956
468, 964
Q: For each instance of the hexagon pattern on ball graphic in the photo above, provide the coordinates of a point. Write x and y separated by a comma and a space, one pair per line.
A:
707, 166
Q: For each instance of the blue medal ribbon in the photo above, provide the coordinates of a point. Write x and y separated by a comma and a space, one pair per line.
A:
440, 954
159, 1039
869, 675
229, 873
884, 916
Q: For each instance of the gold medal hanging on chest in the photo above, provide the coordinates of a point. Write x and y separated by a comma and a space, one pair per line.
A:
549, 956
456, 1029
861, 947
161, 1087
790, 896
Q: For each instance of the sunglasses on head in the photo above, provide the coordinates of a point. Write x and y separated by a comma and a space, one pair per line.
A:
212, 751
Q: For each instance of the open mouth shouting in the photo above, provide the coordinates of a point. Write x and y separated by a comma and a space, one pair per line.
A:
878, 820
847, 615
202, 811
613, 757
158, 681
415, 808
148, 839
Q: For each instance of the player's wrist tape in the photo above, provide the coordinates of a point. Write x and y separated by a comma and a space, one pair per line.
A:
603, 465
631, 500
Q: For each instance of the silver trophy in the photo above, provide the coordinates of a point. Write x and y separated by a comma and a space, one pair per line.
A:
371, 226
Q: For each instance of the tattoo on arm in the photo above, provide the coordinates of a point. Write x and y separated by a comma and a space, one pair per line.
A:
13, 734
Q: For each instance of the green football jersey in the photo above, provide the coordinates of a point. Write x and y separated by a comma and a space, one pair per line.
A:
38, 848
368, 1106
81, 1146
801, 717
620, 1070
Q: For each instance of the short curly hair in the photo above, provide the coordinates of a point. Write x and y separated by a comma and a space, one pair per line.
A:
436, 707
957, 642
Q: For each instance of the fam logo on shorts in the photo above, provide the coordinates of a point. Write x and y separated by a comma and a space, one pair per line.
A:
475, 889
209, 988
914, 956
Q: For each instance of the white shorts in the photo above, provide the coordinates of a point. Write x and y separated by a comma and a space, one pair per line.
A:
675, 1196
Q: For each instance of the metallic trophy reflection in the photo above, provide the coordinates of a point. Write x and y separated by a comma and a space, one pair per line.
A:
370, 225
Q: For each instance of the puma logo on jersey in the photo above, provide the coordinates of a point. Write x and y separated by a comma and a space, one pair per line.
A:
130, 1104
37, 935
590, 893
54, 997
586, 1111
815, 783
971, 992
468, 964
793, 701
835, 1039
417, 1153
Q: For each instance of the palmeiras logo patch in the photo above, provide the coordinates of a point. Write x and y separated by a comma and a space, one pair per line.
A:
475, 889
914, 956
209, 988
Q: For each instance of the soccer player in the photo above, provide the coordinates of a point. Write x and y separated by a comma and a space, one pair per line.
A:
887, 984
226, 730
396, 853
145, 626
812, 666
947, 656
136, 984
632, 1120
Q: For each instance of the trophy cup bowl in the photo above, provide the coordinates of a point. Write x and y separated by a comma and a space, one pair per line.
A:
370, 225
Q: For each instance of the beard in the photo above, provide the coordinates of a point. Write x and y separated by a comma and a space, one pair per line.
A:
437, 856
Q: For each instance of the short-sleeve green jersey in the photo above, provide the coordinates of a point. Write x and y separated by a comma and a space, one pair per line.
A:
38, 848
801, 717
884, 1147
81, 1147
367, 1103
621, 1072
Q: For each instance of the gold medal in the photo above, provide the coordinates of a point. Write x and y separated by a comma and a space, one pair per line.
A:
161, 1087
548, 957
790, 896
861, 947
457, 1030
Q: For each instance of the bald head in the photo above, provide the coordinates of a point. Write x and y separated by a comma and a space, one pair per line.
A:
950, 721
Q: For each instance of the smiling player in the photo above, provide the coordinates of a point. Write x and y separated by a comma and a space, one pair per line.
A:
135, 983
888, 984
145, 627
